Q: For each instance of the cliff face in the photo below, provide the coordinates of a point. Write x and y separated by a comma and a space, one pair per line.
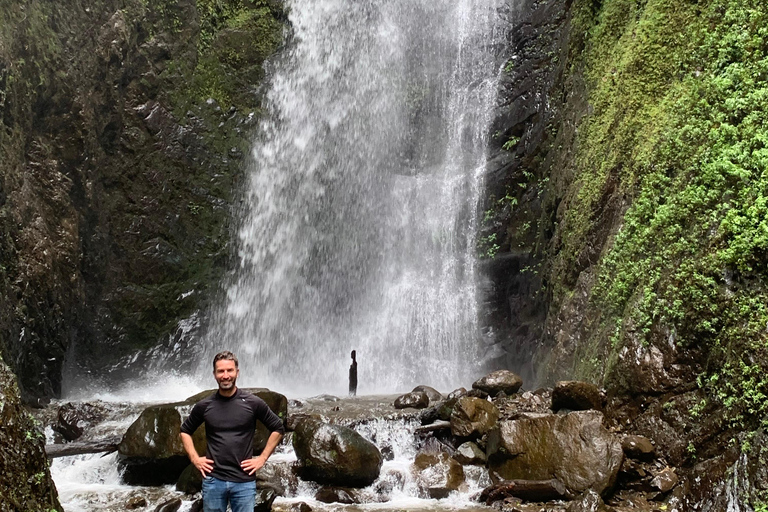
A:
124, 125
627, 210
25, 480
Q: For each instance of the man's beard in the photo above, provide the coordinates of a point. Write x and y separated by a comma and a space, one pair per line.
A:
227, 385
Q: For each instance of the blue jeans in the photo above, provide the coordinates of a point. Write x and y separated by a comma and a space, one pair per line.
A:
216, 493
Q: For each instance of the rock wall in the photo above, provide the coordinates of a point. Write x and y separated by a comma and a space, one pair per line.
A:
625, 224
25, 479
625, 196
123, 130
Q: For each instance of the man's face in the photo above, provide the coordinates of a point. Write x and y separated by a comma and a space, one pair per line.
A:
226, 374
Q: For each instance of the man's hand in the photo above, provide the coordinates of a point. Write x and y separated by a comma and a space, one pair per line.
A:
253, 464
204, 465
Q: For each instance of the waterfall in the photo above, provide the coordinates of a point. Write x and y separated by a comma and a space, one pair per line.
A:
358, 224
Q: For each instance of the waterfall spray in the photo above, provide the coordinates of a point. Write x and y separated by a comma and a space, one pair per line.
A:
358, 222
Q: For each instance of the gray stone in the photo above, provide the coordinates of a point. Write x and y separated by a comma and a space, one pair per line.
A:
575, 448
576, 396
470, 453
438, 473
638, 448
413, 400
151, 452
589, 501
665, 480
342, 495
473, 417
433, 394
335, 455
500, 380
171, 505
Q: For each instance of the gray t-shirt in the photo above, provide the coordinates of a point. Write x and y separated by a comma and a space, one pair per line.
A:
229, 426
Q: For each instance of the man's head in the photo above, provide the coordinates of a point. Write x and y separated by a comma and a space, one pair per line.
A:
354, 354
225, 371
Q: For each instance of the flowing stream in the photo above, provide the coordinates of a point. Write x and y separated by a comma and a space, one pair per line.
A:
358, 224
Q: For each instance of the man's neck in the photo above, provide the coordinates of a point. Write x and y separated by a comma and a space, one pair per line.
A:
226, 393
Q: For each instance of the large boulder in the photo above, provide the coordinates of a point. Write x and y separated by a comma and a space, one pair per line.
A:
499, 381
335, 455
151, 452
576, 396
473, 417
575, 448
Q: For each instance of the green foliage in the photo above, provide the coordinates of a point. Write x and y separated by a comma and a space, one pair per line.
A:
510, 144
679, 132
236, 37
488, 246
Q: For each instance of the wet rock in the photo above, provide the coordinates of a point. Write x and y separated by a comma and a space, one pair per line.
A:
300, 507
414, 400
171, 505
665, 480
477, 393
25, 480
635, 475
500, 380
136, 502
277, 476
342, 495
72, 419
639, 448
295, 419
574, 448
190, 481
470, 453
473, 417
528, 490
335, 455
265, 497
151, 452
588, 501
438, 473
456, 393
433, 394
576, 396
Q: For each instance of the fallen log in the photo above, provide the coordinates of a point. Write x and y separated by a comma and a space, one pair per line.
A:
54, 451
438, 425
526, 490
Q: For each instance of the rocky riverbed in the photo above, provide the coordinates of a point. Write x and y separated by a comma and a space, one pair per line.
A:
566, 448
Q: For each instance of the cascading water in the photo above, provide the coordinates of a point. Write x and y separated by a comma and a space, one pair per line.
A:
358, 224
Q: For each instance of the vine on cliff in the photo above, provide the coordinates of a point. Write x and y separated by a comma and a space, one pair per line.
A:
679, 133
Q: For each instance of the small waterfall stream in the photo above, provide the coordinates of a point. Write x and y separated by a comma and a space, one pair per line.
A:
358, 222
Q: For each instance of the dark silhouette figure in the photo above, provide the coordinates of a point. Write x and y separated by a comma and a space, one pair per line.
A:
353, 376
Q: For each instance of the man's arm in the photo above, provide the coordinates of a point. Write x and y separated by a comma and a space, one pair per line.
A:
254, 464
203, 464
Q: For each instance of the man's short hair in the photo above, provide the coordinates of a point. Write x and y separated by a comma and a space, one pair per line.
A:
225, 355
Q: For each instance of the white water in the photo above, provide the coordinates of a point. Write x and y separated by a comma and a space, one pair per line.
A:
90, 483
358, 225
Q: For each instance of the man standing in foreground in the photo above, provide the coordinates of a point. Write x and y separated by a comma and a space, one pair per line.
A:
230, 417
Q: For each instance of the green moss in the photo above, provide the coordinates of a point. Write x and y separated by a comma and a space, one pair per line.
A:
235, 39
678, 131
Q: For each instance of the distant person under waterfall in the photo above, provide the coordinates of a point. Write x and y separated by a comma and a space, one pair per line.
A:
230, 417
353, 376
